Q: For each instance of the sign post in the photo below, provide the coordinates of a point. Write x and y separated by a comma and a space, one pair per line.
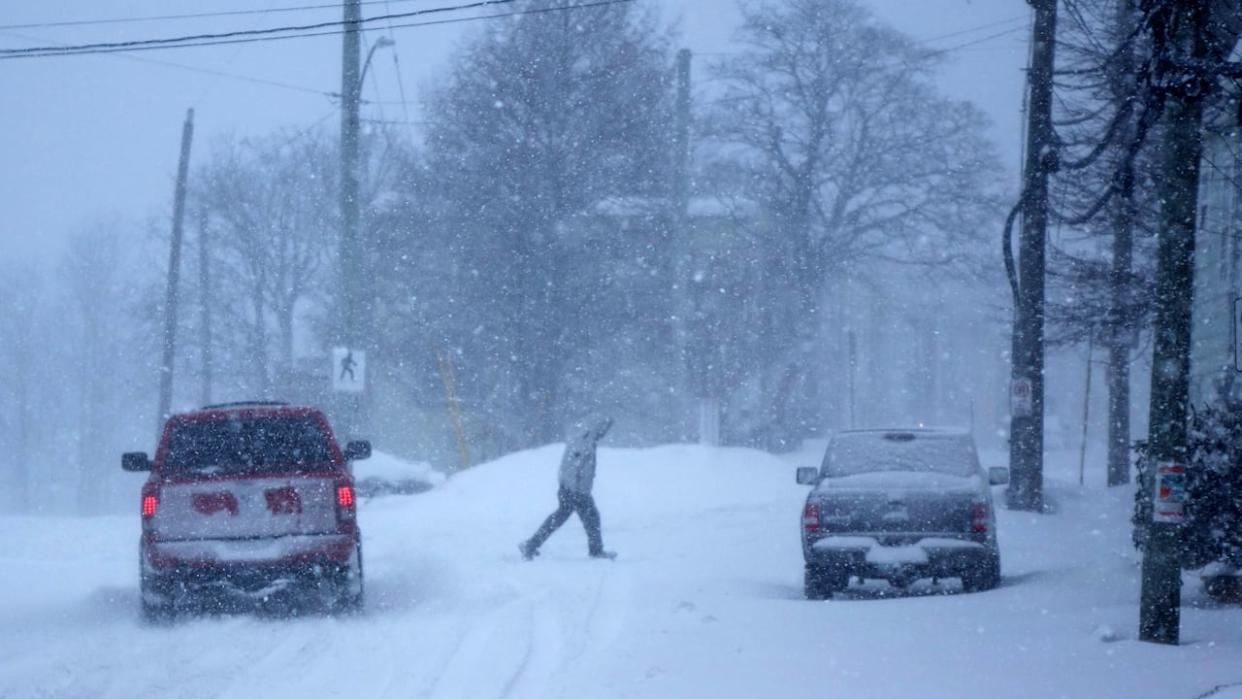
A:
1161, 596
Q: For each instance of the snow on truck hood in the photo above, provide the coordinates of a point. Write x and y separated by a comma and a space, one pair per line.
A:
901, 480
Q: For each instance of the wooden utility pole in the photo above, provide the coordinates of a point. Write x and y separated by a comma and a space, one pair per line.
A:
204, 309
1178, 194
1120, 322
692, 344
174, 275
350, 249
1026, 434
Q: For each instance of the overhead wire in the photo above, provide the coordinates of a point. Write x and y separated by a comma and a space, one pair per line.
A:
199, 69
194, 15
940, 37
264, 32
129, 48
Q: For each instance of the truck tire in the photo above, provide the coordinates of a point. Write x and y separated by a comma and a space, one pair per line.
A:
820, 583
983, 575
1223, 588
349, 584
156, 599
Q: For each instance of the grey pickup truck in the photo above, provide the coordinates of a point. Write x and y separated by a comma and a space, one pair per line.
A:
899, 505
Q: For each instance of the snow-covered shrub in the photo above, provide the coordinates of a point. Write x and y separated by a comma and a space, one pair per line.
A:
1213, 528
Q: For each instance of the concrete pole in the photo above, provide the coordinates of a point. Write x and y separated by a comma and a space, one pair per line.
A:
174, 275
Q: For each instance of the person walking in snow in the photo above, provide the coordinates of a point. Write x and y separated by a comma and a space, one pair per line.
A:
577, 476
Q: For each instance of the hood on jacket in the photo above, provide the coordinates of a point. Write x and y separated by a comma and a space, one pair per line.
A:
590, 430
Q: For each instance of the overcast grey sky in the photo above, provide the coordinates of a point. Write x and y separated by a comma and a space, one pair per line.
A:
95, 137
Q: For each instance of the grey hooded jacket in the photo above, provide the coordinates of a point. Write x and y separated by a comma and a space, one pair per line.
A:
578, 463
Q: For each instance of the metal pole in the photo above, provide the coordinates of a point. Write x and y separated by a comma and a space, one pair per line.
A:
1086, 415
174, 275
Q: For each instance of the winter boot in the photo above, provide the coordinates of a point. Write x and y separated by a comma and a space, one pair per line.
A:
527, 550
610, 555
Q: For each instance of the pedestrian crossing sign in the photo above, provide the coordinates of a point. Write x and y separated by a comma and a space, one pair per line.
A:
349, 370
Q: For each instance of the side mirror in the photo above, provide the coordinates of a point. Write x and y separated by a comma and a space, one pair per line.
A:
808, 475
135, 461
998, 475
358, 450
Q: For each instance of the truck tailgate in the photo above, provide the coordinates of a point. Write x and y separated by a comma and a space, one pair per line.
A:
247, 508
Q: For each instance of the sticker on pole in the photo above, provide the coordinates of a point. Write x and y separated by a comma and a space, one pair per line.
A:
1169, 501
1021, 398
349, 370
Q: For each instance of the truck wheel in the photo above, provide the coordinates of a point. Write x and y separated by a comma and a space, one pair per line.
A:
821, 583
157, 599
983, 575
1223, 588
349, 584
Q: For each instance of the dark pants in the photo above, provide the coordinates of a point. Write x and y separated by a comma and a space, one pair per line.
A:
571, 502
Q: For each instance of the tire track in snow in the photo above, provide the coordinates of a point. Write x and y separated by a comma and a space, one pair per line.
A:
485, 661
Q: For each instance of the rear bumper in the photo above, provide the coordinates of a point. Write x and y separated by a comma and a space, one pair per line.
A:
876, 557
296, 551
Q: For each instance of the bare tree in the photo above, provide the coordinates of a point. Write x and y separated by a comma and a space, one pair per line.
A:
543, 118
269, 205
21, 307
94, 268
856, 156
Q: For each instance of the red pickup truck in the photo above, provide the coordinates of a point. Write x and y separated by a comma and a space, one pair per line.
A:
248, 500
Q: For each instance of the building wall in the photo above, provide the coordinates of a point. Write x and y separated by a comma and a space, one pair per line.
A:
1213, 367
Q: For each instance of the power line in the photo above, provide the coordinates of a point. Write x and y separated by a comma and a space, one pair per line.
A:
975, 42
939, 37
205, 71
79, 51
196, 15
972, 30
135, 43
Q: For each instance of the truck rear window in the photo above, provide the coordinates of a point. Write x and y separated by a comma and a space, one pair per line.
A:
852, 454
246, 445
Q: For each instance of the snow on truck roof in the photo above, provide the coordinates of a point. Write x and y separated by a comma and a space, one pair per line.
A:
252, 408
245, 404
912, 431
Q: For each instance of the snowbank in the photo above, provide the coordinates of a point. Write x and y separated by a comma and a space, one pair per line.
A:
384, 474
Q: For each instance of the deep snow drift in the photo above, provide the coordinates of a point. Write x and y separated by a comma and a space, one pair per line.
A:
705, 600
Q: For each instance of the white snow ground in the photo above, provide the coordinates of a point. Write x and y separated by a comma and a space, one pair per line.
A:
704, 600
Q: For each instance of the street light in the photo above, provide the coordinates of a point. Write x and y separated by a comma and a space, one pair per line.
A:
382, 42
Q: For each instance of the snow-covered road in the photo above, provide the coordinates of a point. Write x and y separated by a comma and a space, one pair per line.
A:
705, 600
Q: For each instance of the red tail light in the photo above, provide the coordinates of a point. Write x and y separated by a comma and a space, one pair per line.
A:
150, 500
346, 512
979, 518
345, 495
810, 518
